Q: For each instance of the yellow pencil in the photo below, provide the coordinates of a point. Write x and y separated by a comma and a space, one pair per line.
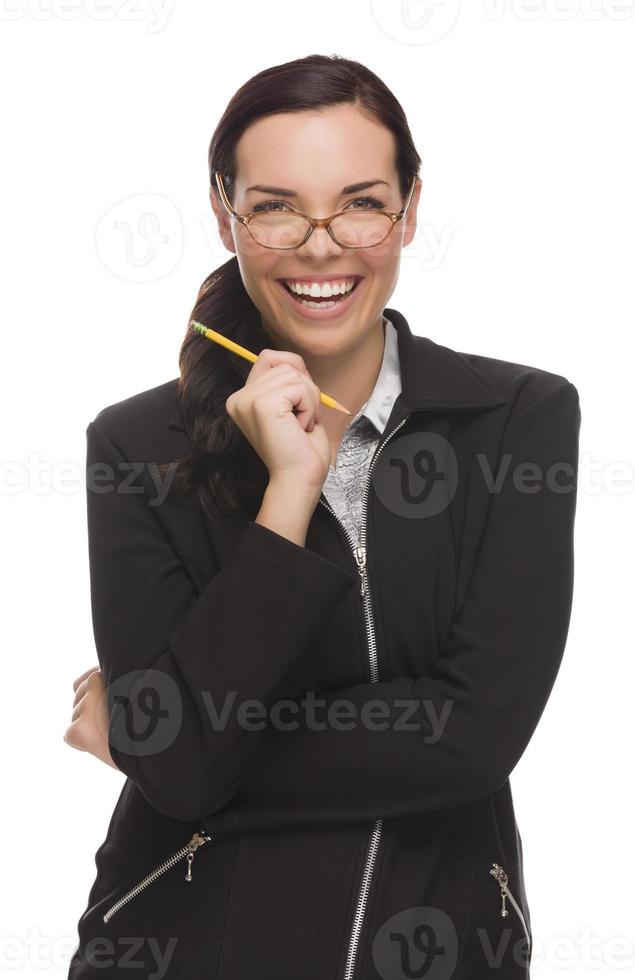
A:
249, 356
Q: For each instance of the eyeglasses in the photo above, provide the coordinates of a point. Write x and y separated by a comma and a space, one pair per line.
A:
356, 228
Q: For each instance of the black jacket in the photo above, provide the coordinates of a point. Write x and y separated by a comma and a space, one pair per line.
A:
371, 842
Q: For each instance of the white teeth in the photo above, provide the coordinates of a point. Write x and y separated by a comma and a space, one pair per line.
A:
334, 288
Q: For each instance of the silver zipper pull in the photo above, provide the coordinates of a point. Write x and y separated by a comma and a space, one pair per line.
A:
501, 877
195, 841
360, 558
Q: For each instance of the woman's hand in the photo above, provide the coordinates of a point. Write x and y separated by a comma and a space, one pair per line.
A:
88, 730
295, 448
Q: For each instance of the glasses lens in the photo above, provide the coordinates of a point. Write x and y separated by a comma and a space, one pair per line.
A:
278, 230
361, 229
356, 229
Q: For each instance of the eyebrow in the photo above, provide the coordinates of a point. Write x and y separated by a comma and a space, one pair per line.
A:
349, 189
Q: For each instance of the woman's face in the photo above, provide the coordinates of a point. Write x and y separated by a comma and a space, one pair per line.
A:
316, 155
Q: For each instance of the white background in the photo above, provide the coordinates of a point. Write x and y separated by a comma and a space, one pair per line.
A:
523, 114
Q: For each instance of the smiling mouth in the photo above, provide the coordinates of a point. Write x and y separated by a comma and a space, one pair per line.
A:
316, 302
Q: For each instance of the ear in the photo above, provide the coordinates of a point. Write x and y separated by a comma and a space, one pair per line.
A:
223, 219
410, 217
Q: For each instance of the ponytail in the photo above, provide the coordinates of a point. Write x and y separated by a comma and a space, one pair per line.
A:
222, 469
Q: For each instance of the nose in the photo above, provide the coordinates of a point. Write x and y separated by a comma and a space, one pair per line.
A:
319, 245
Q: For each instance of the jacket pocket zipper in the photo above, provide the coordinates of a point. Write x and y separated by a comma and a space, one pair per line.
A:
501, 877
197, 839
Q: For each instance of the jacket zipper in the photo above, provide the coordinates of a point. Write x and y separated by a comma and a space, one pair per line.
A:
187, 851
501, 877
359, 552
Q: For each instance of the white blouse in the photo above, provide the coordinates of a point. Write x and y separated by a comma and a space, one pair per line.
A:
344, 485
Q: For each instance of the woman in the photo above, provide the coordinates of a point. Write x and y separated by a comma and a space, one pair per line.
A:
317, 708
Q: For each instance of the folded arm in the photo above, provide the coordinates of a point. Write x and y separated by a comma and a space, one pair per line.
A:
162, 649
480, 706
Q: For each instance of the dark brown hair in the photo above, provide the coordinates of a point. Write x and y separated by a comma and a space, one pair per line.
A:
223, 469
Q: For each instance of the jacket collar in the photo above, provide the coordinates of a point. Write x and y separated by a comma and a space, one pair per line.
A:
433, 377
437, 377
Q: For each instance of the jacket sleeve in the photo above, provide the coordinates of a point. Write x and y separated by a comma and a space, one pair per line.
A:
489, 686
164, 651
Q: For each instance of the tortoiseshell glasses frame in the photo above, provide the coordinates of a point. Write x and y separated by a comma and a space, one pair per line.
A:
313, 223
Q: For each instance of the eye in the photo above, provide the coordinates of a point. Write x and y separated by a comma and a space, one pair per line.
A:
269, 205
357, 203
372, 201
